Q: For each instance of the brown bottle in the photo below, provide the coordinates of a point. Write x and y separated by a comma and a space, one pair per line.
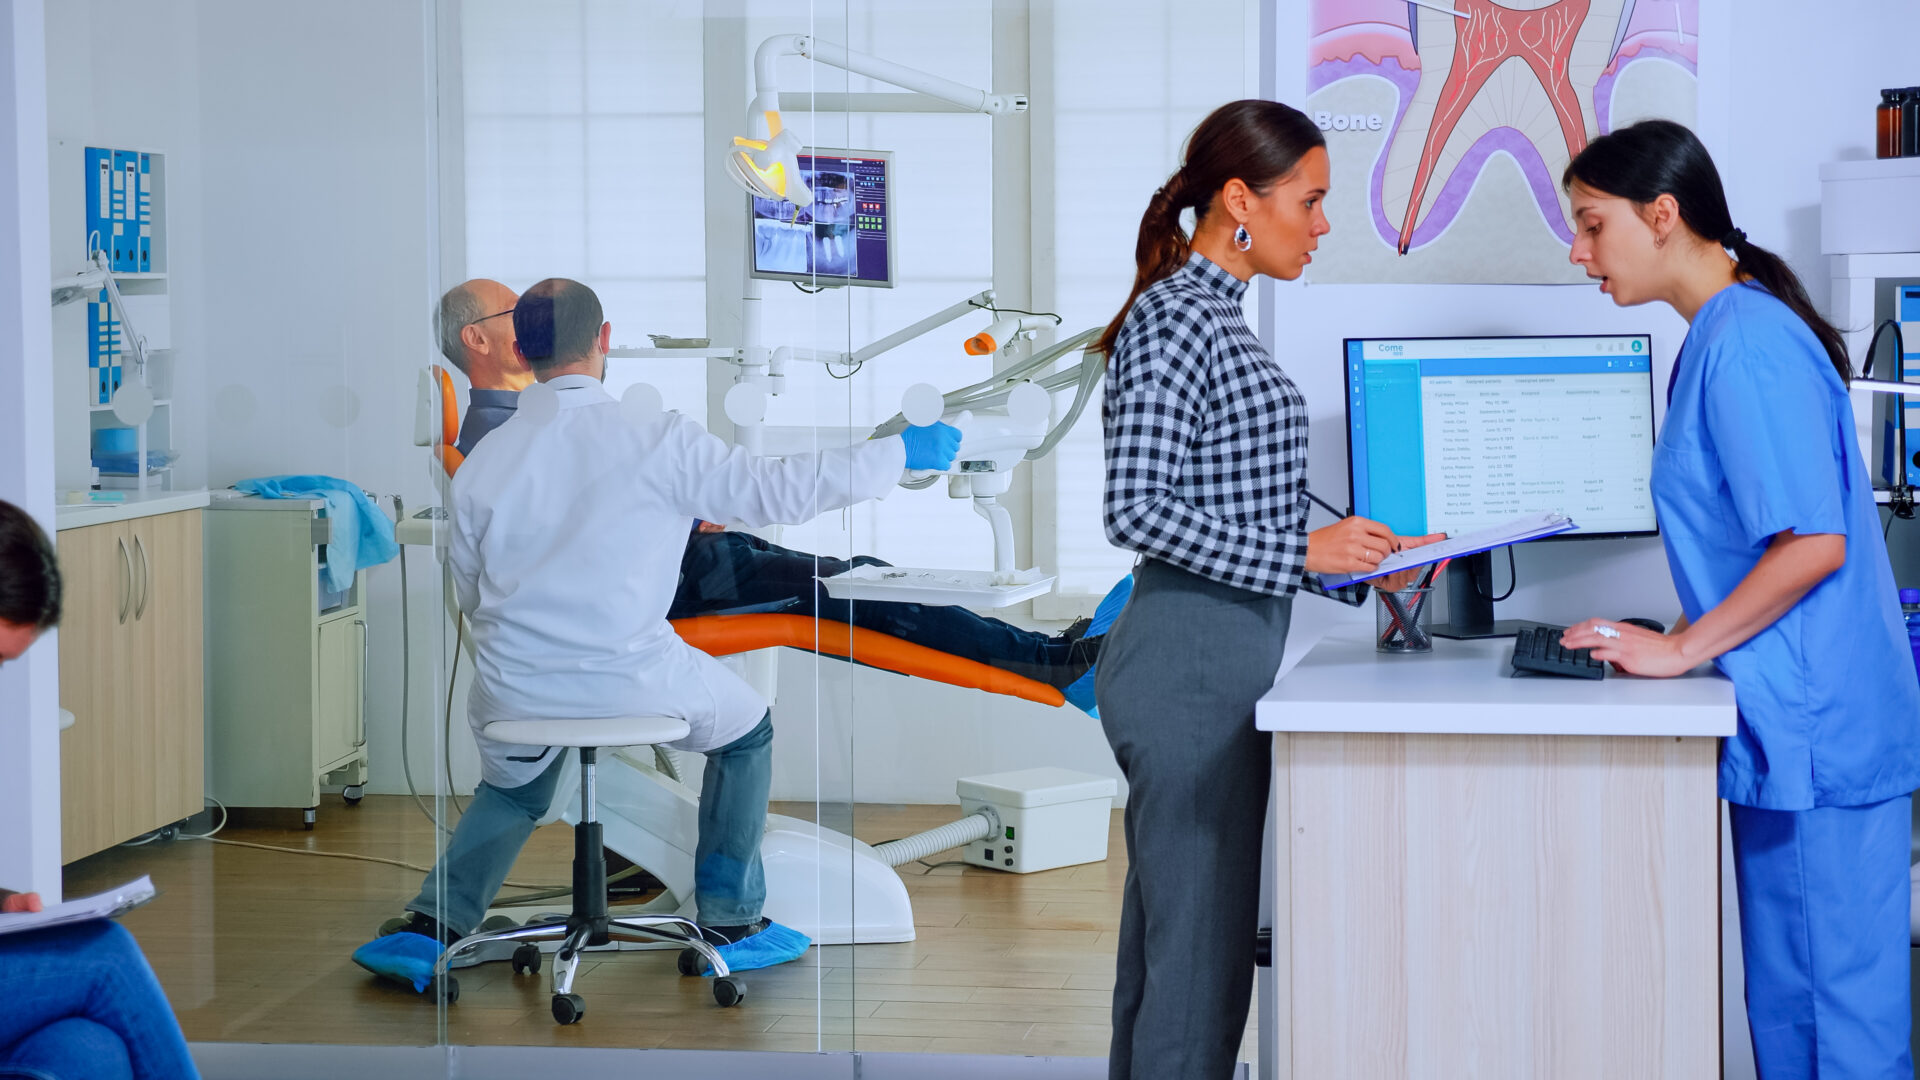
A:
1888, 136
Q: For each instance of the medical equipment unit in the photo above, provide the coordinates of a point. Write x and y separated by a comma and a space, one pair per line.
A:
1456, 434
823, 218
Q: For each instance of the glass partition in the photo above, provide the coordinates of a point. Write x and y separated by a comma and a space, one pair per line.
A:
340, 258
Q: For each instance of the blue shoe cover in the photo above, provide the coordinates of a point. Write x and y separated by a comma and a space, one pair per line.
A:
775, 945
403, 957
1079, 692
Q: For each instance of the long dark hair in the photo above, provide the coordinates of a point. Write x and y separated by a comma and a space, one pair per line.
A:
1255, 142
1652, 158
29, 572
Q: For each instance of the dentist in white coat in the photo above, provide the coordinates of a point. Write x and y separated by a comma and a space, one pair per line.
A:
569, 522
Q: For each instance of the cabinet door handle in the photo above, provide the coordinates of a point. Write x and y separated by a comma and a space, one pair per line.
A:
146, 577
126, 576
360, 699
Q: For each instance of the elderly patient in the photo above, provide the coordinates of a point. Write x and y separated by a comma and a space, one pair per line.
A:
77, 1002
568, 527
723, 570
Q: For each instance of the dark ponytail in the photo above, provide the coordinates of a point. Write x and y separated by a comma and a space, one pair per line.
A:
1652, 158
1256, 142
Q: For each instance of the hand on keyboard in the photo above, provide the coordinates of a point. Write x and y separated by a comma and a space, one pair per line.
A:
1635, 651
1538, 648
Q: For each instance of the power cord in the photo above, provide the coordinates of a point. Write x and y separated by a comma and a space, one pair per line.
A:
1512, 580
1899, 347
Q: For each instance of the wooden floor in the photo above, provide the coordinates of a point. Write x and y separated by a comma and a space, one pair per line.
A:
253, 946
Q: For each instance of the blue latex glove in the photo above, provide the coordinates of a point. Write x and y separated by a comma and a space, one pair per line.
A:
932, 447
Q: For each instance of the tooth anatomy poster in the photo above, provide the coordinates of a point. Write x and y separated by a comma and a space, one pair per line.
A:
1449, 123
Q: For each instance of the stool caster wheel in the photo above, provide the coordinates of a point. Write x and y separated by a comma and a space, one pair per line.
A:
353, 793
499, 922
568, 1008
444, 987
729, 991
690, 963
526, 960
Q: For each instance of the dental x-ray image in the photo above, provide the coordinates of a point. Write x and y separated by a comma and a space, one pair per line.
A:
816, 240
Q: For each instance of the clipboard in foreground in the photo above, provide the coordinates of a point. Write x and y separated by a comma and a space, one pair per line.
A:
1517, 531
107, 905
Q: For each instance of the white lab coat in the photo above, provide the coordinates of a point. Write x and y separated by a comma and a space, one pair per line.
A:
567, 537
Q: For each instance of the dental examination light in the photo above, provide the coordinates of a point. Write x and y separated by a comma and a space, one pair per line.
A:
132, 402
766, 162
1004, 330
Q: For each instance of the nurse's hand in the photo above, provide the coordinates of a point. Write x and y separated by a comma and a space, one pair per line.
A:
1636, 651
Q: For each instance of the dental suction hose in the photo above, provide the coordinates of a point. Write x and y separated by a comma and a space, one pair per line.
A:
976, 826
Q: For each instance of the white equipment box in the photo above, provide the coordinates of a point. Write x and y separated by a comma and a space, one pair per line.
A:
1048, 818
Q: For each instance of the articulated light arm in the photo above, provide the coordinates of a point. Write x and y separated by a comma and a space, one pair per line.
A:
768, 165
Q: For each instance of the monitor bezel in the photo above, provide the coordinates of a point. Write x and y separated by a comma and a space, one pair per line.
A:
1346, 401
830, 281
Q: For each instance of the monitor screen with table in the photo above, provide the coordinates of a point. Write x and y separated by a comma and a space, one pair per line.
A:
1458, 434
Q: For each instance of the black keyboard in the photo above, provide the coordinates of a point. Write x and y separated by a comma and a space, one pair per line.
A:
1537, 648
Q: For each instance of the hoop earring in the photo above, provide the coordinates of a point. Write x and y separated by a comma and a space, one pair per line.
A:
1242, 239
1659, 241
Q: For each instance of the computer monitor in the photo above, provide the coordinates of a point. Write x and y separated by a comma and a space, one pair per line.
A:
844, 237
1458, 434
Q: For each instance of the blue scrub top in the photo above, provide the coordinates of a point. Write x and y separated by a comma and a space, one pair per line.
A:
1758, 439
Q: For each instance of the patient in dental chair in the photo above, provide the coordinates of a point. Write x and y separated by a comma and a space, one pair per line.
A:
727, 571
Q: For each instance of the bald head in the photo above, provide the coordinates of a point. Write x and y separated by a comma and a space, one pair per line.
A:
474, 325
559, 328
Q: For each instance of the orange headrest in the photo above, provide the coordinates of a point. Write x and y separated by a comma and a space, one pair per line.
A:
449, 408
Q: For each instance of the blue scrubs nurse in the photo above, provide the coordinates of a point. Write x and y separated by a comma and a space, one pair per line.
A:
1776, 550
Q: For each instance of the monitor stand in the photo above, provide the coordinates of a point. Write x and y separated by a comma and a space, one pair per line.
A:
1469, 612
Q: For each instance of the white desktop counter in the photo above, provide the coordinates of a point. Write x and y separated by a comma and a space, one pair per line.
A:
1481, 876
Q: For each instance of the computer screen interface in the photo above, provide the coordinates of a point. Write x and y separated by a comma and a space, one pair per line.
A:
844, 237
1458, 434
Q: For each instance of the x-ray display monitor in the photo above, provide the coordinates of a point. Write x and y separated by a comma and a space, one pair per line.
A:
844, 237
1457, 434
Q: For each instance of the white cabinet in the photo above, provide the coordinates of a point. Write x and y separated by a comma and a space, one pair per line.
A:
286, 658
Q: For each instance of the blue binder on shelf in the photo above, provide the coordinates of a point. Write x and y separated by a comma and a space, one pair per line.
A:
1906, 303
126, 244
143, 215
99, 188
103, 348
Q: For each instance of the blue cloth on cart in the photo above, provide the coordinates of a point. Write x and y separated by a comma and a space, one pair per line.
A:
362, 535
775, 945
1079, 693
404, 957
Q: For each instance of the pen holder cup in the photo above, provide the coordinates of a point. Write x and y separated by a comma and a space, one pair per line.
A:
1402, 622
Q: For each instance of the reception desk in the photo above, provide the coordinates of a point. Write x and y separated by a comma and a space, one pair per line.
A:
1480, 876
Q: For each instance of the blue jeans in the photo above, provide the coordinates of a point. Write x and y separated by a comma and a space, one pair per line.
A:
80, 1003
729, 883
735, 569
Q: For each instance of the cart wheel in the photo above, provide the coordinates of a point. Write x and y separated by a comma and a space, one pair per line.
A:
353, 793
526, 960
444, 987
690, 963
306, 818
568, 1008
729, 991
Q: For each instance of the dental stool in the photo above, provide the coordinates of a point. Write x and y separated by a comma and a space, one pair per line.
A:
588, 923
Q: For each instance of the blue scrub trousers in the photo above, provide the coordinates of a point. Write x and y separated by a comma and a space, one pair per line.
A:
729, 884
1824, 923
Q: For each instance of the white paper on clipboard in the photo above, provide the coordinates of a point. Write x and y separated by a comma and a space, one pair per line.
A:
1517, 531
106, 905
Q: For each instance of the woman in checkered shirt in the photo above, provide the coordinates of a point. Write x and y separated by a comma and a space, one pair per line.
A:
1206, 451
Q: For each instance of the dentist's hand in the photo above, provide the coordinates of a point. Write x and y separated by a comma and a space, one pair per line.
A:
933, 447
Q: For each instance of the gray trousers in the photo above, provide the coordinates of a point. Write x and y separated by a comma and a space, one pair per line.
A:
1178, 678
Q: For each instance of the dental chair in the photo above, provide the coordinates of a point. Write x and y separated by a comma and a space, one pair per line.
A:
830, 886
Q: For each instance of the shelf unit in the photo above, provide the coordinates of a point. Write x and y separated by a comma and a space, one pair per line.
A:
147, 297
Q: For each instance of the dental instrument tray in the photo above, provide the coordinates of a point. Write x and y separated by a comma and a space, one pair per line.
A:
972, 588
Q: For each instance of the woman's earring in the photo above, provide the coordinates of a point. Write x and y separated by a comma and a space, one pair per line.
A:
1242, 239
1659, 241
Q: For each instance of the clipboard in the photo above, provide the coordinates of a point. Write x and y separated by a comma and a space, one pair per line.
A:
107, 905
1518, 531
